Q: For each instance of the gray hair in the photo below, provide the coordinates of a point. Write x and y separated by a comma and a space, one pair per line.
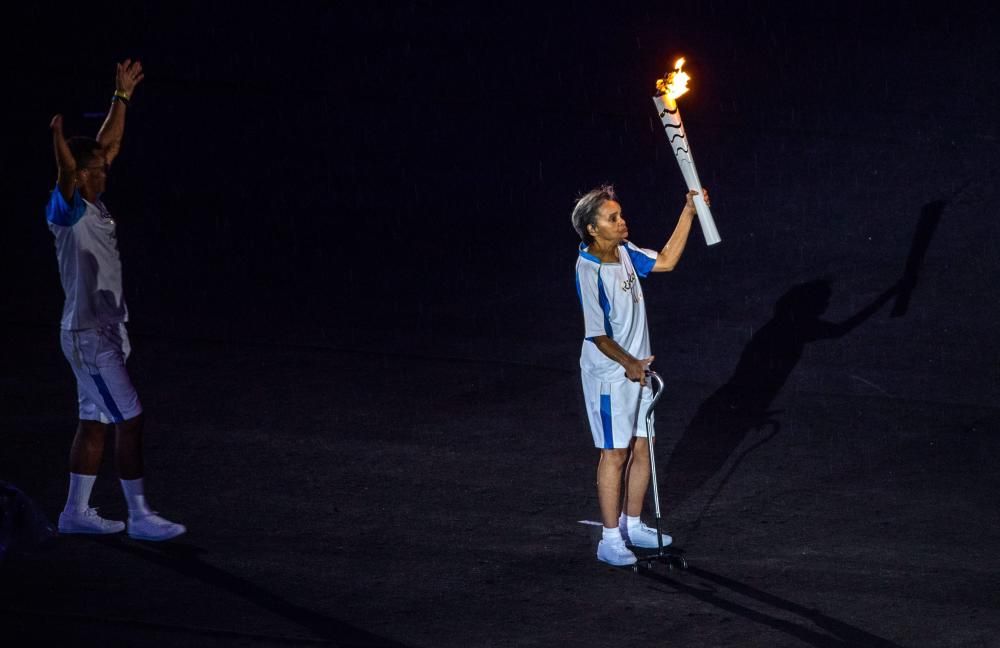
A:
585, 212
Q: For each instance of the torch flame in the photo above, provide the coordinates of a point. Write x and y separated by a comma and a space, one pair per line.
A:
675, 83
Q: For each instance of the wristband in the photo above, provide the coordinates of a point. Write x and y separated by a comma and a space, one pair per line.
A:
117, 97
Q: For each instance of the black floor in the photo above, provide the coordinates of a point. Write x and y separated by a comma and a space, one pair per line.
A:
366, 500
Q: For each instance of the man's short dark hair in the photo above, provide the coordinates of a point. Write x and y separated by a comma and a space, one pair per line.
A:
585, 212
83, 149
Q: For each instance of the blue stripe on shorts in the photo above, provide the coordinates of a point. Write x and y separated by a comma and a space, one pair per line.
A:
109, 402
609, 439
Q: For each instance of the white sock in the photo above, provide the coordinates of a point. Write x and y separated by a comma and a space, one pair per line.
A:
80, 486
628, 521
612, 535
135, 497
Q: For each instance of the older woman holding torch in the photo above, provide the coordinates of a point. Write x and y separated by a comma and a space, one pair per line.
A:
614, 360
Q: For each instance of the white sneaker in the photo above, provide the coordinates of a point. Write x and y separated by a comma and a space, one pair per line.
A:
642, 536
88, 521
615, 553
153, 527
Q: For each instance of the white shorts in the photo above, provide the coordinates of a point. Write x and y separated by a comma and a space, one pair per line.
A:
616, 410
98, 359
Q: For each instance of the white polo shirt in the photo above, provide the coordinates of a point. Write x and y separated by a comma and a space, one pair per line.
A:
89, 266
613, 305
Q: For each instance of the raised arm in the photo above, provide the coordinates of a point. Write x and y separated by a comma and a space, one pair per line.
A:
671, 253
127, 76
65, 165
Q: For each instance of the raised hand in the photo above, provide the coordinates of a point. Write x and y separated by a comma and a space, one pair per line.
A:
56, 124
128, 74
689, 201
689, 204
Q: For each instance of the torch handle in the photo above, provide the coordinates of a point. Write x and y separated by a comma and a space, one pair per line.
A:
705, 220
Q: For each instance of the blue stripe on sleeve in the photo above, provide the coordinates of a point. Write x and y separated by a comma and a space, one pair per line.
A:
602, 299
640, 261
59, 212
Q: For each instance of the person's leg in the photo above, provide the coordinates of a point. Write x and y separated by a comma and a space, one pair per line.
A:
84, 462
143, 522
611, 549
128, 448
88, 447
609, 484
87, 451
613, 444
628, 420
636, 477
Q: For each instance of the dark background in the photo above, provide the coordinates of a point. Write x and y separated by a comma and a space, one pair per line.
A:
403, 172
386, 189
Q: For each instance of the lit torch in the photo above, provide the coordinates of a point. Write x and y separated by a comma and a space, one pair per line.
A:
667, 91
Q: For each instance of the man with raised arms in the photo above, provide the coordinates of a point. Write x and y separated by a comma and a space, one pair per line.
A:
93, 334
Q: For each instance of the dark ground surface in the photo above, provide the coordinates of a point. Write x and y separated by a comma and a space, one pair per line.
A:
356, 334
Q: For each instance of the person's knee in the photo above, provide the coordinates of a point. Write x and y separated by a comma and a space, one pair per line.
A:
130, 426
615, 456
92, 430
640, 449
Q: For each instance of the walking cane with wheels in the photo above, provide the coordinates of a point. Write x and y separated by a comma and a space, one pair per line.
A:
671, 557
